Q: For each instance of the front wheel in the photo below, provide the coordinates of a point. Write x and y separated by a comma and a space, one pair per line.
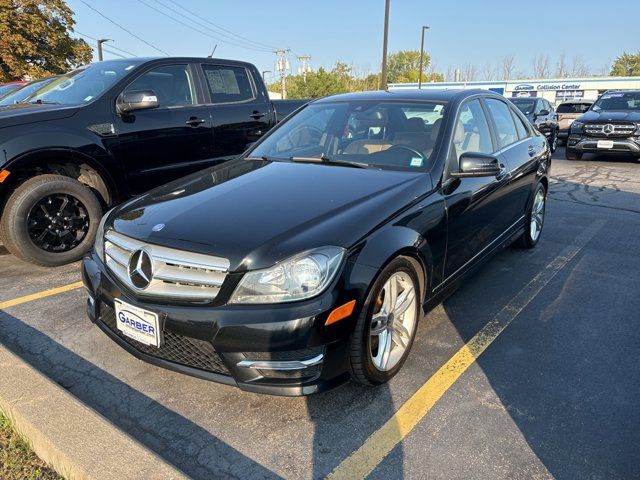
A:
534, 220
387, 324
50, 220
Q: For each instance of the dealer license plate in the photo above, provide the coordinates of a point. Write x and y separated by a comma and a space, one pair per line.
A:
137, 323
605, 143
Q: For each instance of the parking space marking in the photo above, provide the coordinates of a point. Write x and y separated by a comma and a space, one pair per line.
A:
365, 459
38, 295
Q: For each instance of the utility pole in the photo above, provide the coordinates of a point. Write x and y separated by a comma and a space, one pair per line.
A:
100, 42
421, 57
304, 66
383, 80
282, 65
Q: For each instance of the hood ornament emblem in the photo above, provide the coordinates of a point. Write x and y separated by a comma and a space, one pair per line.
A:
158, 227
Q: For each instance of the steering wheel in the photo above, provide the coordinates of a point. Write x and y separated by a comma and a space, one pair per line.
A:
406, 147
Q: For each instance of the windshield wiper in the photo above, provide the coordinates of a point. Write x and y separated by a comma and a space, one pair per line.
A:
330, 161
42, 102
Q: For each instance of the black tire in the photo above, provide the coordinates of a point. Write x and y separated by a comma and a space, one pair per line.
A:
553, 141
15, 231
572, 154
363, 369
528, 239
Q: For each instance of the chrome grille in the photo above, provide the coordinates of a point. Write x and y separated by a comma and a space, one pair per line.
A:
610, 129
177, 274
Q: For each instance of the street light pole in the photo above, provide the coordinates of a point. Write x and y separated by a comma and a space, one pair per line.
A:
421, 57
100, 42
383, 80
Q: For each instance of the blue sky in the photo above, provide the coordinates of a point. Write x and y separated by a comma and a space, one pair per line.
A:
462, 32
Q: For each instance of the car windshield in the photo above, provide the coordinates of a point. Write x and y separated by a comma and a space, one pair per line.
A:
84, 84
6, 89
618, 101
524, 104
24, 92
365, 133
573, 107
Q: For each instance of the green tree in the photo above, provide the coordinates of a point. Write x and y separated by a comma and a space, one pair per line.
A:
404, 67
626, 65
35, 41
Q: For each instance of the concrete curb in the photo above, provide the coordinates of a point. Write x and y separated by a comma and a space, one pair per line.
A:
75, 440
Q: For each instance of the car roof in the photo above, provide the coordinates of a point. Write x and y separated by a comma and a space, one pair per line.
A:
439, 95
142, 60
578, 100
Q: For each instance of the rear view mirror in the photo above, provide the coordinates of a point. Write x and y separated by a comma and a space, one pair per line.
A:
475, 164
136, 100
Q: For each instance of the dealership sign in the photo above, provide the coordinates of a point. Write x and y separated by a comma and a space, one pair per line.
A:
525, 87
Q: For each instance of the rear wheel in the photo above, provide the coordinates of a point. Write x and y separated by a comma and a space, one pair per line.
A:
50, 220
572, 154
387, 324
534, 219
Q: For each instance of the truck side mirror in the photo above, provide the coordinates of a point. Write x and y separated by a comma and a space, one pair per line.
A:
133, 100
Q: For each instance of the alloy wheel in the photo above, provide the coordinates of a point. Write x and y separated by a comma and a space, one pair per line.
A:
58, 223
394, 321
537, 214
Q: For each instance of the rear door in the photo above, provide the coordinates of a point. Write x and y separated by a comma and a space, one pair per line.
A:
475, 206
161, 144
241, 112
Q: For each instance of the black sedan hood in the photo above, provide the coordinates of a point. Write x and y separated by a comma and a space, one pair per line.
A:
256, 213
22, 113
611, 116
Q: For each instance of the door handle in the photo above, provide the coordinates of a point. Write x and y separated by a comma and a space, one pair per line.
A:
194, 121
257, 115
531, 150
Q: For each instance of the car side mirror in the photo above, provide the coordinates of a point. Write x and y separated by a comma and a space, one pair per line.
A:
136, 100
543, 113
475, 164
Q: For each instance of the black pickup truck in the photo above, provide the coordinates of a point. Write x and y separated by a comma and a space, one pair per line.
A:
111, 130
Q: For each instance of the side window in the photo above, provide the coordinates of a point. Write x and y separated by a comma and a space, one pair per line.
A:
472, 130
505, 128
172, 84
228, 84
523, 131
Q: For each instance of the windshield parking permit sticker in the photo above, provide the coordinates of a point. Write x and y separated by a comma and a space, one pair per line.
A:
416, 162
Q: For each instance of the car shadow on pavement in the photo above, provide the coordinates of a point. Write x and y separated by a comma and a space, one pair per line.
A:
565, 369
173, 437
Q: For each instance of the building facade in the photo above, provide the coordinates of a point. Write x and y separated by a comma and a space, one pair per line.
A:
556, 90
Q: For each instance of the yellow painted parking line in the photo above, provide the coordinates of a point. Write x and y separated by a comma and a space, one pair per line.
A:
362, 462
43, 294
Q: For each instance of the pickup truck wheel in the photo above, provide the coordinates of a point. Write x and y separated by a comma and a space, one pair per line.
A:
572, 154
534, 220
387, 325
50, 220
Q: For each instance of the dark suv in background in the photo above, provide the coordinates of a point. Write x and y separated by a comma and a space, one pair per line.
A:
543, 116
611, 125
100, 134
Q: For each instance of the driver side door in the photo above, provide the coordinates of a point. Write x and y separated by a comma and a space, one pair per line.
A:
476, 211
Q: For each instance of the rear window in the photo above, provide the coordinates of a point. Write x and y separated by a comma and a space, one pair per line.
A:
573, 107
228, 84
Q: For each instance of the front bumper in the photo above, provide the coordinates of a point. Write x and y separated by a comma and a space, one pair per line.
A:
590, 144
276, 349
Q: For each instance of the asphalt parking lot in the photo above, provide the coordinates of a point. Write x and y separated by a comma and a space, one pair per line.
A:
555, 393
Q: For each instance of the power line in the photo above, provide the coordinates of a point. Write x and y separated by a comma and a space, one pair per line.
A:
248, 44
194, 28
263, 45
124, 29
110, 46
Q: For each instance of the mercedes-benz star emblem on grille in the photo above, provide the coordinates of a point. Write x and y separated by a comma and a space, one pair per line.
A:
140, 269
608, 129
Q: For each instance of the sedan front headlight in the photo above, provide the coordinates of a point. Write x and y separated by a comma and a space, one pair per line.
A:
297, 278
99, 242
576, 127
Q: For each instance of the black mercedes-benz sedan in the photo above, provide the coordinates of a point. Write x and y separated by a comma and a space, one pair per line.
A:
310, 259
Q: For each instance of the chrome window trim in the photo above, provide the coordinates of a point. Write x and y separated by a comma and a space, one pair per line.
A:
282, 364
